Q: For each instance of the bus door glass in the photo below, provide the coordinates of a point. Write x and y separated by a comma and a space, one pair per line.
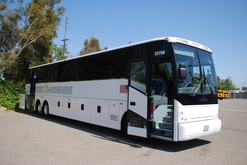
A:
162, 94
138, 99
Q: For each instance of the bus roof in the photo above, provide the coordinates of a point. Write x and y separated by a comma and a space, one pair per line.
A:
188, 42
169, 39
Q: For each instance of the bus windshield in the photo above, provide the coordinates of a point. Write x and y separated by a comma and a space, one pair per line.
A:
201, 77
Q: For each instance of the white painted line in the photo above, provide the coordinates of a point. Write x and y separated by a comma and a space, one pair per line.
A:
233, 110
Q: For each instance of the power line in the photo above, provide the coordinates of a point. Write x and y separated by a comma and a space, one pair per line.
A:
79, 32
97, 34
106, 39
85, 35
100, 31
90, 36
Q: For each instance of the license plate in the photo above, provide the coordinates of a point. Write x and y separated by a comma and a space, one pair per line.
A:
205, 128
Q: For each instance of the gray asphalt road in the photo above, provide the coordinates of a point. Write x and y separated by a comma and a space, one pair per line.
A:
27, 138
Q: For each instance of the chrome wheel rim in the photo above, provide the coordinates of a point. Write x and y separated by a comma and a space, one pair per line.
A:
46, 109
39, 108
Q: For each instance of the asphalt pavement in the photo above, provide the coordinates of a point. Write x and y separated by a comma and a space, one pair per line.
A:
27, 138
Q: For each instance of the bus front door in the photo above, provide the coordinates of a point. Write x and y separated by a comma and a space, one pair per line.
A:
137, 100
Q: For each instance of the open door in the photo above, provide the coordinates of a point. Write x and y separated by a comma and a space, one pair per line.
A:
31, 95
162, 94
138, 99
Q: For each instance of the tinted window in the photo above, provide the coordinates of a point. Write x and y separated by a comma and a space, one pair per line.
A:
107, 65
138, 76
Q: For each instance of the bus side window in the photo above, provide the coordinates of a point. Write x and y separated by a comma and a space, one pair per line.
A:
138, 76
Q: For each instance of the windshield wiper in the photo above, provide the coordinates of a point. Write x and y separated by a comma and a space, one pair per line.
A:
198, 87
211, 90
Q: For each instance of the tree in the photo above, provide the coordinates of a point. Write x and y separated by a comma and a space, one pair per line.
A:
42, 22
225, 84
91, 46
219, 85
9, 29
32, 44
9, 25
59, 53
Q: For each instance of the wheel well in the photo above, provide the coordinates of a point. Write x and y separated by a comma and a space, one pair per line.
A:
124, 123
45, 102
36, 103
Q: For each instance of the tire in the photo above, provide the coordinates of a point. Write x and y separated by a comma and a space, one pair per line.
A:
124, 125
46, 109
39, 108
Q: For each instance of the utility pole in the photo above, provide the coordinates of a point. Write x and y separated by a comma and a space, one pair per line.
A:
65, 39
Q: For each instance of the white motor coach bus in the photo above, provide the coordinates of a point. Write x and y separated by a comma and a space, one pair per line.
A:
162, 88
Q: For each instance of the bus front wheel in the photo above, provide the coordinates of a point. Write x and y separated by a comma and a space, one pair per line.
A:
124, 124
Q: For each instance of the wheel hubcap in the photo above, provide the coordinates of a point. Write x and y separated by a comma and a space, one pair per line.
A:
45, 110
39, 108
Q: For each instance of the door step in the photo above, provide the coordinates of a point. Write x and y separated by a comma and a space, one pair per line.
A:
164, 129
167, 119
170, 113
161, 137
165, 126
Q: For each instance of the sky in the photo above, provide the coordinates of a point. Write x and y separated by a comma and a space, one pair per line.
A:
218, 24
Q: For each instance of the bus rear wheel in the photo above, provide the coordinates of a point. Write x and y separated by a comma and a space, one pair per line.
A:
46, 109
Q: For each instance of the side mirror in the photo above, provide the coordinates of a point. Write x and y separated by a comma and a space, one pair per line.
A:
182, 71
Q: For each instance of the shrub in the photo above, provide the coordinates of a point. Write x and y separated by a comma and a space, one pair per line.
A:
10, 94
